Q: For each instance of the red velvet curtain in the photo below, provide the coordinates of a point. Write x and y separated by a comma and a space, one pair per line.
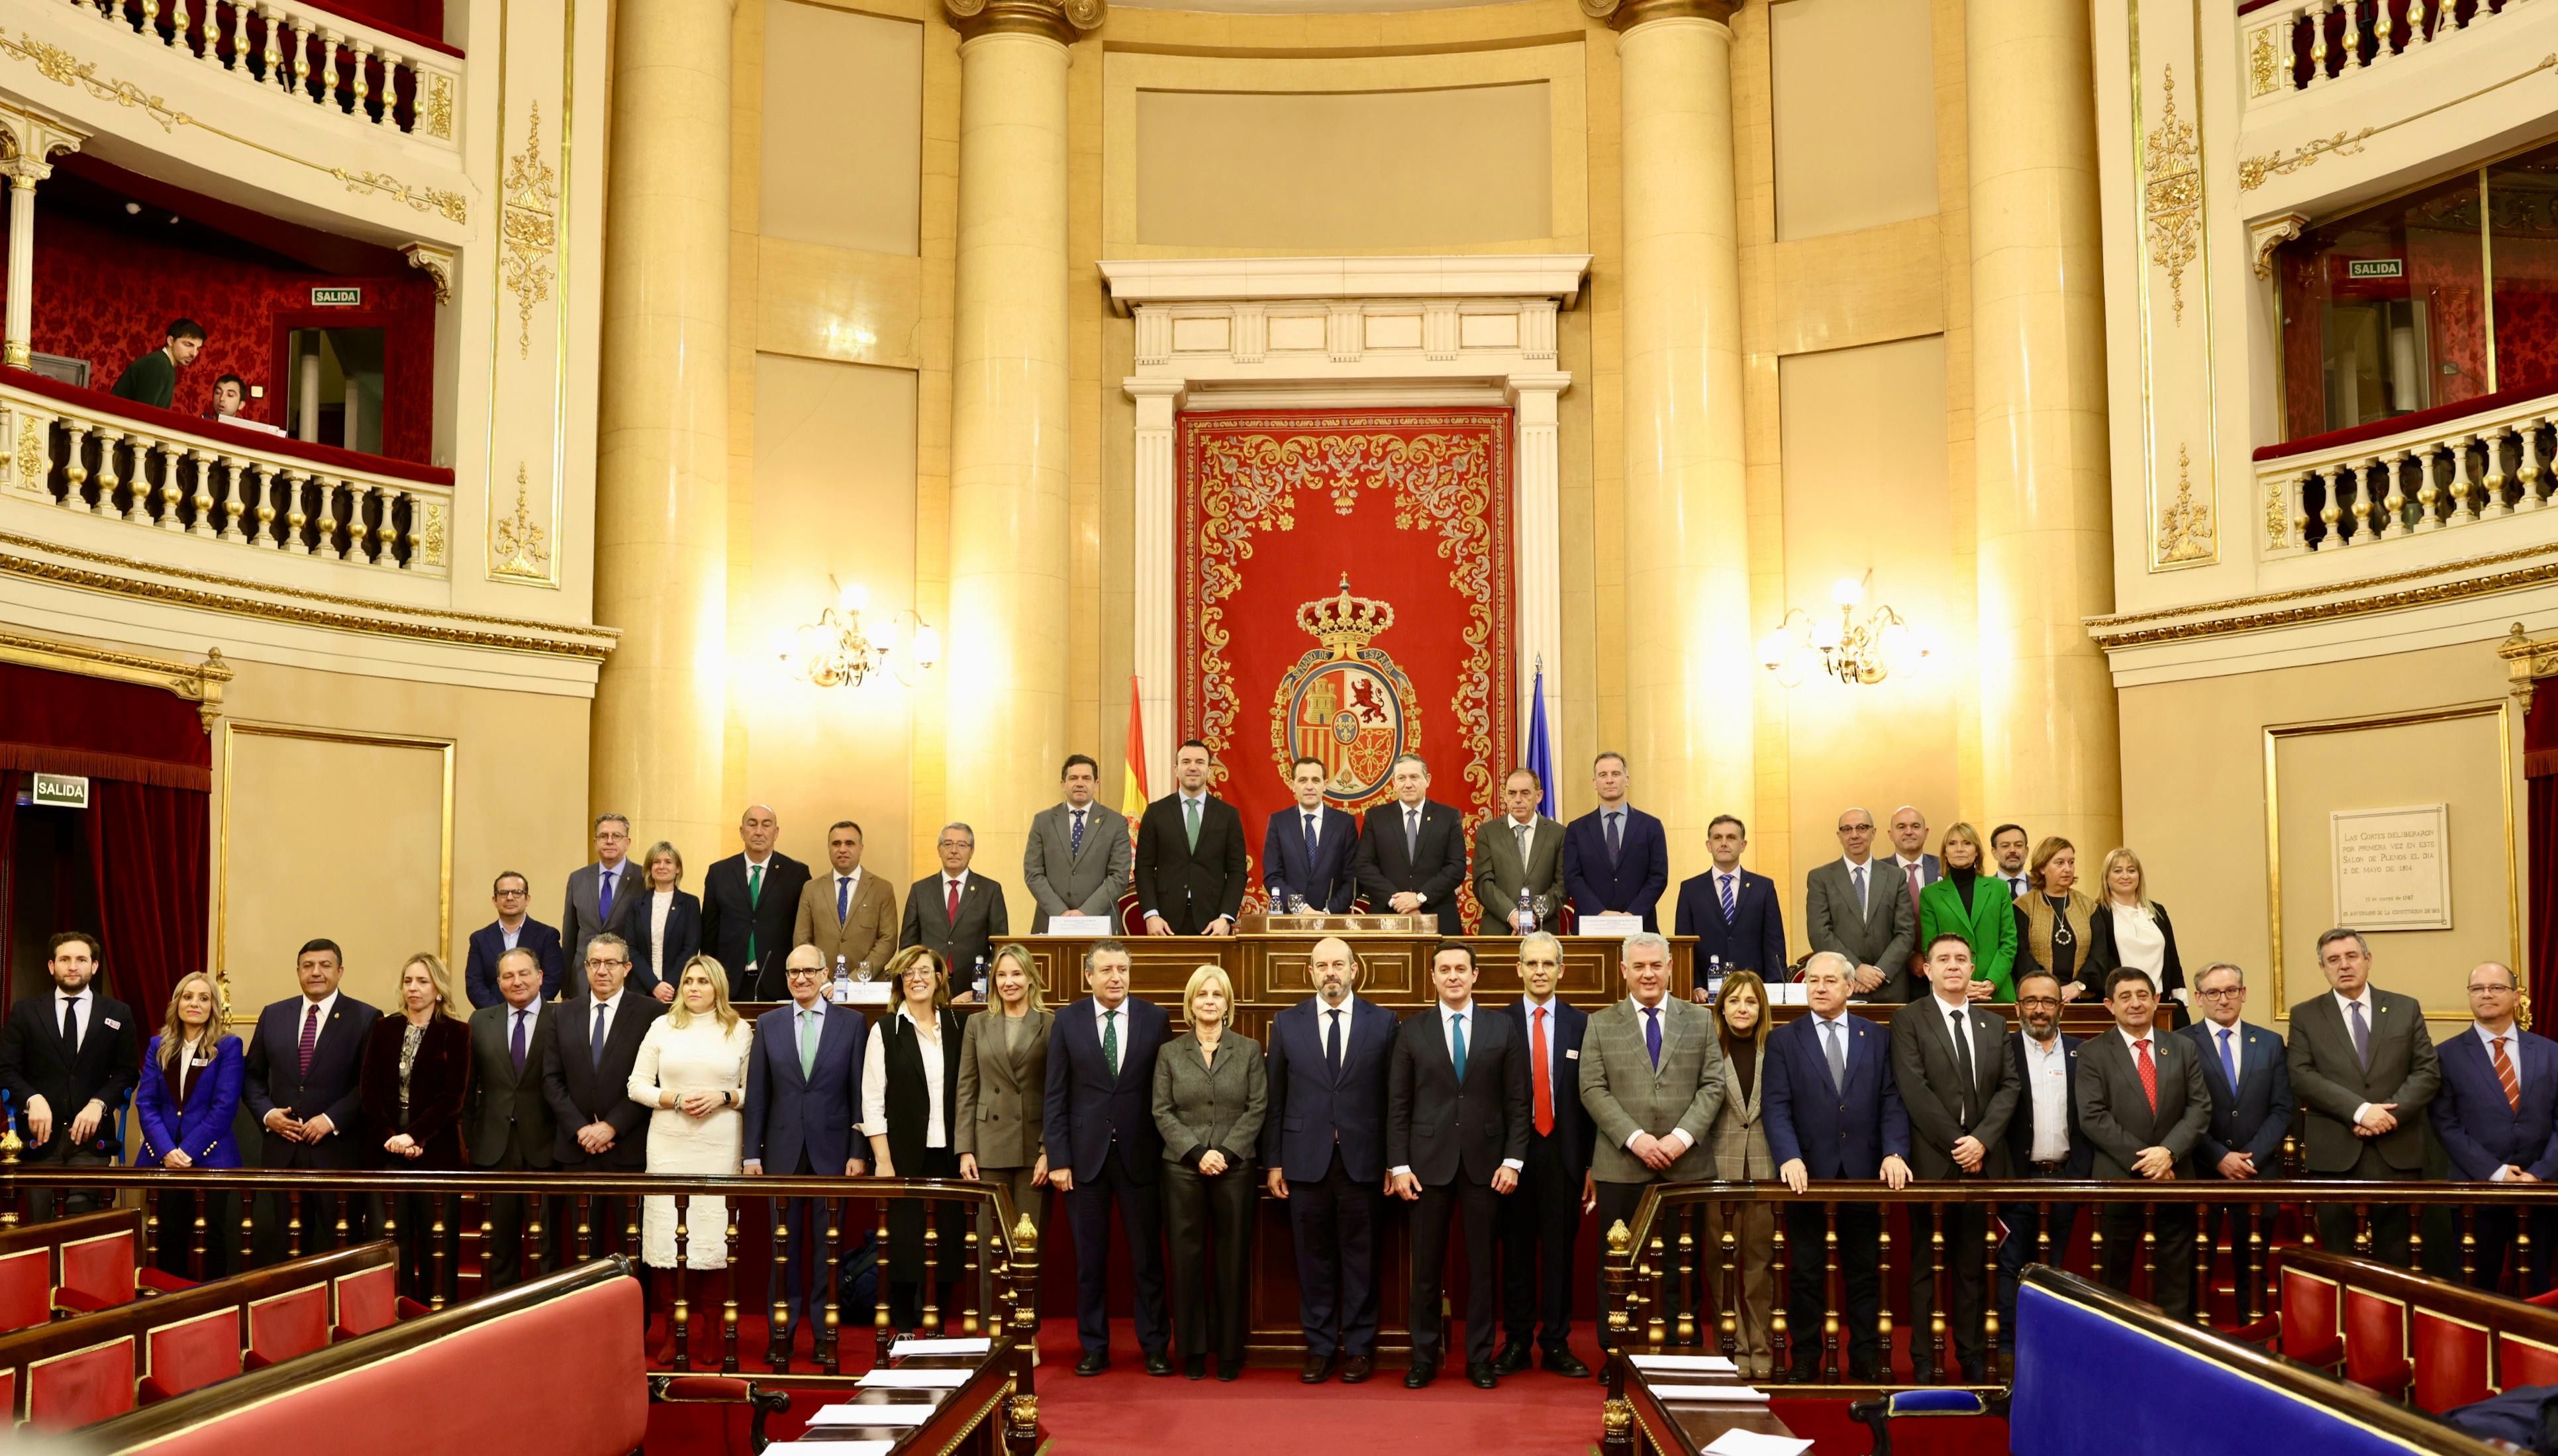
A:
2540, 770
147, 849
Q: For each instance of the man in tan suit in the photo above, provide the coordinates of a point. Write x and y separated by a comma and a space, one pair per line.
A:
1522, 849
848, 913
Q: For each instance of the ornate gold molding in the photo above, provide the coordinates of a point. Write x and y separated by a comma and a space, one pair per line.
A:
531, 231
519, 543
1061, 20
2254, 171
197, 683
436, 263
2186, 534
2268, 234
1625, 15
2110, 634
2528, 659
2263, 68
2174, 195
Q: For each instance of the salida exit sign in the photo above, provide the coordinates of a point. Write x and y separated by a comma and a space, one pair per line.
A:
336, 298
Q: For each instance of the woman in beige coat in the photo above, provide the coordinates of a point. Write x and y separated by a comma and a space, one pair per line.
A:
1003, 1085
1740, 1147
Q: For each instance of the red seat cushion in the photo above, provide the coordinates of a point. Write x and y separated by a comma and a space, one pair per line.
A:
2451, 1361
81, 1388
191, 1353
2312, 1319
158, 1281
26, 1288
368, 1301
2522, 1361
99, 1271
283, 1326
2375, 1341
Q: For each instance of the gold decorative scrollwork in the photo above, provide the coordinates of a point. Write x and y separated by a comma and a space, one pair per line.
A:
430, 534
31, 454
531, 231
2185, 535
2174, 195
2253, 171
62, 67
2278, 520
424, 198
435, 110
521, 545
2263, 69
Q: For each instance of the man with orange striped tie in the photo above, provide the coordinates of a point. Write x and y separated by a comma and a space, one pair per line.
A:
2497, 1118
1542, 1221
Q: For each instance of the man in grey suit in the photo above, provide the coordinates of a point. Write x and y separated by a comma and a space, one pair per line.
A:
1079, 855
2143, 1105
509, 1121
2364, 1067
1521, 850
1853, 907
594, 889
958, 913
1949, 1060
1651, 1079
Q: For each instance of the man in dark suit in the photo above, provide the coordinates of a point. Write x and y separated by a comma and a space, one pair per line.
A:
1518, 853
1412, 851
1077, 857
2143, 1107
304, 1083
1191, 872
1733, 913
1104, 1150
2251, 1114
1833, 1111
957, 912
1851, 906
594, 890
509, 1121
2364, 1068
1949, 1060
804, 1093
1616, 858
1456, 1137
2043, 1139
69, 1061
586, 1076
1322, 1146
750, 901
1542, 1221
2009, 847
513, 928
1307, 849
2497, 1118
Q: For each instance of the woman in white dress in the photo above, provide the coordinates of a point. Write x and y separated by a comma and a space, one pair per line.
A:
692, 1069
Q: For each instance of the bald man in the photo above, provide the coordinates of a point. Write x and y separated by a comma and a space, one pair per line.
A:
748, 903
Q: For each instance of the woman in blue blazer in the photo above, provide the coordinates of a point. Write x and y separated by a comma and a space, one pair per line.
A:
186, 1099
664, 925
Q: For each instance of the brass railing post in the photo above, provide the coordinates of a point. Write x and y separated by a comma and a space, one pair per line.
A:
1617, 1280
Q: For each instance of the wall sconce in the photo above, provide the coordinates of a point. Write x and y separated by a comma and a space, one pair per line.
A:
1848, 649
833, 651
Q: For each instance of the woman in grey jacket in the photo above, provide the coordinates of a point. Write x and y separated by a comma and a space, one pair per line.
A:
1211, 1088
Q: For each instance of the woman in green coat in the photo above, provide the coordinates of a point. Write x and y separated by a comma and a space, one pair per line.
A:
1975, 906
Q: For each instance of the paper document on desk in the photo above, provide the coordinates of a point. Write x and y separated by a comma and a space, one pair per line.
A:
825, 1447
1709, 1396
1753, 1443
975, 1345
918, 1379
1079, 924
904, 1413
1711, 1364
1609, 925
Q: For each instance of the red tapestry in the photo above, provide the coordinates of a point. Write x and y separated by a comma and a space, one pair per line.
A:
1345, 592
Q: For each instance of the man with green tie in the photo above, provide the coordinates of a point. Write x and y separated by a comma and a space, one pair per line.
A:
803, 1087
1190, 871
748, 903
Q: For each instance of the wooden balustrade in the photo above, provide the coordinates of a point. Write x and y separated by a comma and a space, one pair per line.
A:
2484, 467
375, 78
2296, 46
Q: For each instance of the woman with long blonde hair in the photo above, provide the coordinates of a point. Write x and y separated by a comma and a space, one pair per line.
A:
415, 1081
2131, 929
692, 1070
189, 1093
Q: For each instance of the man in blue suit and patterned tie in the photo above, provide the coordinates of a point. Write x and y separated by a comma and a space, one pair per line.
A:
1307, 852
1541, 1222
1104, 1151
2251, 1114
2495, 1115
513, 928
803, 1087
1616, 858
1734, 914
304, 1086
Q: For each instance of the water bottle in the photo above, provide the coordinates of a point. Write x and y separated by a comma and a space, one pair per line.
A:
843, 992
1526, 913
978, 983
1714, 977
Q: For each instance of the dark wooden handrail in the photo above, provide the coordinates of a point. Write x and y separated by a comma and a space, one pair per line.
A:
20, 1238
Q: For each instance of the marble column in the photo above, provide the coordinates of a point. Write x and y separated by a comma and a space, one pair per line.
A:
1690, 674
661, 460
1538, 489
1009, 658
37, 138
1155, 578
2049, 747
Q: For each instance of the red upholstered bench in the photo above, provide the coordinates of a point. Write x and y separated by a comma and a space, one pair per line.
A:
2434, 1344
370, 1301
26, 1288
189, 1353
2313, 1323
74, 1266
106, 1269
282, 1326
2375, 1341
83, 1387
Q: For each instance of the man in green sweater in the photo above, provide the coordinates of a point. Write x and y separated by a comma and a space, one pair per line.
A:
153, 379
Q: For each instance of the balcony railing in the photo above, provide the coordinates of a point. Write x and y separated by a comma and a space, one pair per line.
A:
2458, 472
151, 468
376, 79
2294, 46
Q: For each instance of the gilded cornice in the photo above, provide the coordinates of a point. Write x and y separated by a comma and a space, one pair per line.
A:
2526, 661
1625, 15
1061, 20
2422, 587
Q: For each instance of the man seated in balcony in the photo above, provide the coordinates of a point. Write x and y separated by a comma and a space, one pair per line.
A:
153, 379
231, 396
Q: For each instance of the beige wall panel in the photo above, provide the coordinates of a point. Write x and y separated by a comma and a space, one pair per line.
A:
1855, 115
1304, 171
843, 128
2194, 804
834, 496
1863, 441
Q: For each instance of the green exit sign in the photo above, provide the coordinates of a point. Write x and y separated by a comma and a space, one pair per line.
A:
2376, 268
336, 298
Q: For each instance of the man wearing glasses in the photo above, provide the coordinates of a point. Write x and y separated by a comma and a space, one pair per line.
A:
2044, 1139
513, 930
586, 1076
2251, 1113
2495, 1116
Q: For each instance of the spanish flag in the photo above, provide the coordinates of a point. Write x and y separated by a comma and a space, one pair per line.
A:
1132, 791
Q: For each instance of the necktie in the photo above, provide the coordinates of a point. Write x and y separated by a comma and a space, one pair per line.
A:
753, 898
1834, 1037
595, 1041
2362, 1036
808, 1044
604, 897
1858, 875
1727, 898
1411, 834
70, 1026
1074, 843
2505, 1074
1652, 1034
950, 907
843, 898
1540, 1081
1189, 815
1457, 1044
310, 1038
1333, 1041
1914, 889
2228, 1061
1959, 1027
1616, 833
2149, 1073
516, 1044
1111, 1040
1309, 844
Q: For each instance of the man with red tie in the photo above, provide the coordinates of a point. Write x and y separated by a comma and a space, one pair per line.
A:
1541, 1220
2495, 1115
2143, 1105
304, 1085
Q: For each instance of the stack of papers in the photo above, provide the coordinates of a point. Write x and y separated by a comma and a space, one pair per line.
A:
1703, 1365
915, 1412
1709, 1396
975, 1345
1750, 1443
917, 1379
819, 1446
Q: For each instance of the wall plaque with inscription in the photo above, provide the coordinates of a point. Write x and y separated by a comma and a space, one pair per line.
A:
2393, 868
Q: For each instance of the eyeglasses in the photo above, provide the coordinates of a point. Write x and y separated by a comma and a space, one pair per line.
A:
512, 894
810, 971
593, 962
2492, 990
2050, 1002
2226, 991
